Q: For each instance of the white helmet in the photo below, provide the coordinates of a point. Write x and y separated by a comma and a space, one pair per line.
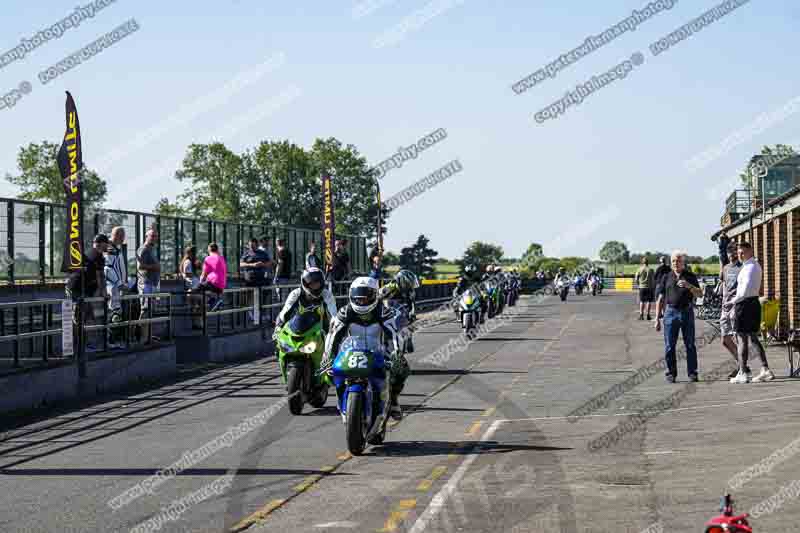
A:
364, 295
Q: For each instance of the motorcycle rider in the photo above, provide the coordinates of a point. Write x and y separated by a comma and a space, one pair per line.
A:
312, 291
562, 275
488, 273
594, 278
402, 289
471, 278
363, 317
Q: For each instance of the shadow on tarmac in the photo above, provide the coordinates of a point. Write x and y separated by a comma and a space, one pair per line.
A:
429, 448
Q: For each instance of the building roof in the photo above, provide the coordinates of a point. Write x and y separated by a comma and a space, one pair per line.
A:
775, 202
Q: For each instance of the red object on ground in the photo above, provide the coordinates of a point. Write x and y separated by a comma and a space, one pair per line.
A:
727, 522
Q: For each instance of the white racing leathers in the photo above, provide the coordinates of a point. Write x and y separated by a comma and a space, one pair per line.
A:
379, 331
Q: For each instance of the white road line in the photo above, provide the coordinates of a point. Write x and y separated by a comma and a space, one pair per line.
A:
439, 501
660, 453
696, 408
344, 523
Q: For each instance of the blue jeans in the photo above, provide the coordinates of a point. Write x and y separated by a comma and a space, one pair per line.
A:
679, 321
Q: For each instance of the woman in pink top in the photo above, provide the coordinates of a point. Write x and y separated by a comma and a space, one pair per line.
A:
215, 275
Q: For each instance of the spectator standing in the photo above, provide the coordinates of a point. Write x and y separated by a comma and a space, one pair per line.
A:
728, 282
214, 277
746, 310
645, 278
663, 268
340, 268
116, 275
722, 242
312, 259
377, 268
88, 282
263, 247
148, 276
677, 290
254, 264
283, 268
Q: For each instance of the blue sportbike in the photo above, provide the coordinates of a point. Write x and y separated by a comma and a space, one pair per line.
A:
362, 372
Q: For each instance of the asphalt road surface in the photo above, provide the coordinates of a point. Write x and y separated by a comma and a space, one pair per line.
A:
486, 444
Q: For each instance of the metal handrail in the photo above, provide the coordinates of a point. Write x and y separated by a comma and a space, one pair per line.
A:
29, 303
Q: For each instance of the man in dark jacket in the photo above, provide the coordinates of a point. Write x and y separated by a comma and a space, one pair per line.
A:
722, 242
663, 268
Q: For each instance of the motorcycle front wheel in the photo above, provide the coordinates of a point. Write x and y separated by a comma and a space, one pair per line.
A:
356, 425
294, 388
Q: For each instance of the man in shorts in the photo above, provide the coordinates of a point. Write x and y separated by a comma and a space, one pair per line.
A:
745, 309
646, 281
730, 273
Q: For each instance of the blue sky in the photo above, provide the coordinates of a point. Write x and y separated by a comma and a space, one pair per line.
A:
612, 168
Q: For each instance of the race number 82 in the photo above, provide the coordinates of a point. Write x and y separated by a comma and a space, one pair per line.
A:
357, 361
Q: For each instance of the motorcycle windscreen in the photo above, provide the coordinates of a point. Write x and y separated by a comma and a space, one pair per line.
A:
303, 322
363, 339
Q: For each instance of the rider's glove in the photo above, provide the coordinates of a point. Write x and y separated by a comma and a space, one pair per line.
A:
325, 363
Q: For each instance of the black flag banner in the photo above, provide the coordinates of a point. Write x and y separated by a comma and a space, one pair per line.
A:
328, 224
70, 164
380, 221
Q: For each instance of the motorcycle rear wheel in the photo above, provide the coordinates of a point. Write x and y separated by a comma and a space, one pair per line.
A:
320, 397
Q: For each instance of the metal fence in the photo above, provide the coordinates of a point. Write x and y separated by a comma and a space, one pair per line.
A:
31, 332
32, 239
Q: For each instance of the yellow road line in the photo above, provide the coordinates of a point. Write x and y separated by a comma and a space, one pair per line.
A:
396, 517
258, 515
307, 482
473, 429
426, 484
489, 411
406, 505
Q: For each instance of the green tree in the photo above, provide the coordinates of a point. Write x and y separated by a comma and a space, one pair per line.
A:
614, 252
533, 253
40, 179
481, 254
282, 183
390, 258
419, 258
165, 208
216, 184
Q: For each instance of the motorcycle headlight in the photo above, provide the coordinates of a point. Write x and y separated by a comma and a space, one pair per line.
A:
309, 348
468, 299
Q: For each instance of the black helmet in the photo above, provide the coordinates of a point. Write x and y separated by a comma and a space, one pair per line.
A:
470, 269
313, 282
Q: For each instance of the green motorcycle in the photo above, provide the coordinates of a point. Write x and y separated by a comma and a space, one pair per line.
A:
300, 344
